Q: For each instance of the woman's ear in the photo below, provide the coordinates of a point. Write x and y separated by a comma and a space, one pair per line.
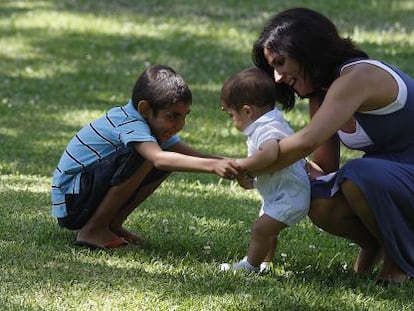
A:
144, 108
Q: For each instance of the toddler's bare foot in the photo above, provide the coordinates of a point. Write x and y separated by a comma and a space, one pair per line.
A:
130, 237
366, 259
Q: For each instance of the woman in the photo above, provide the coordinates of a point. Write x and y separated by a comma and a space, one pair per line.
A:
369, 106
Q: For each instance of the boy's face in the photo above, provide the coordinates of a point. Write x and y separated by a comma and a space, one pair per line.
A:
241, 119
168, 122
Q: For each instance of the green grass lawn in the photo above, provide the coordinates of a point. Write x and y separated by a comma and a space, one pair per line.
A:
63, 63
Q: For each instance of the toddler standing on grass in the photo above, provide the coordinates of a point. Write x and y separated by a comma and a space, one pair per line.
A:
249, 98
115, 162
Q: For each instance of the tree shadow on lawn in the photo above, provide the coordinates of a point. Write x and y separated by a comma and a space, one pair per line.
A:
39, 137
89, 85
35, 249
40, 104
350, 14
94, 71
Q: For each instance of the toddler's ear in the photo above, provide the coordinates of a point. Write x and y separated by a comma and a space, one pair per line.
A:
144, 108
247, 109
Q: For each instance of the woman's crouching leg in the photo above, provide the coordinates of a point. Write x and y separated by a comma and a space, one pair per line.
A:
334, 215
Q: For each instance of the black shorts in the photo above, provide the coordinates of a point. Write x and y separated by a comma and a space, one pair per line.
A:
97, 180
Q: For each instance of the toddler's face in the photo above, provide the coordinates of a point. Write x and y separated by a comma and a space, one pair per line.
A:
168, 122
240, 118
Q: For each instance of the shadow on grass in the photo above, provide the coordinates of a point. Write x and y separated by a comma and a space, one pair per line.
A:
38, 256
83, 71
70, 72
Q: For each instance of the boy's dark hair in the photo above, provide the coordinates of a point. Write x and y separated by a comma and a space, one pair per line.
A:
310, 38
251, 86
161, 86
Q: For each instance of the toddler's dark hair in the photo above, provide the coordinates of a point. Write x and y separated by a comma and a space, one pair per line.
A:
251, 86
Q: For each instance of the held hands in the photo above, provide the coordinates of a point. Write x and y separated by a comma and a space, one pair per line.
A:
245, 179
227, 168
230, 169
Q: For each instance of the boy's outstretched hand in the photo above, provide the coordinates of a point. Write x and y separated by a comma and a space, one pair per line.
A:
227, 168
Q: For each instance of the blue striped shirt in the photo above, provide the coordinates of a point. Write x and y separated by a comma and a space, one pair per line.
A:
99, 139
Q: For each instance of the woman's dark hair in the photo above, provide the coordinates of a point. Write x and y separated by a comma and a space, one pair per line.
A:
251, 86
161, 87
312, 40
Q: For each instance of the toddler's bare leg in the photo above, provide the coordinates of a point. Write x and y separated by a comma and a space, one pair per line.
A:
271, 253
262, 239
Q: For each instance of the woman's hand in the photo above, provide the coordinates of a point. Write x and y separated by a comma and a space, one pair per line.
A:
314, 171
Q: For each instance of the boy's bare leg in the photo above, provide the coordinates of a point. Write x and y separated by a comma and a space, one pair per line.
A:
97, 231
122, 215
264, 230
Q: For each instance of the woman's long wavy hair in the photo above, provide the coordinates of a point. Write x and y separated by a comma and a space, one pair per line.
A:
312, 40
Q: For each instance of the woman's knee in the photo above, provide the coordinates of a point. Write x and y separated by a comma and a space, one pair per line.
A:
319, 212
352, 193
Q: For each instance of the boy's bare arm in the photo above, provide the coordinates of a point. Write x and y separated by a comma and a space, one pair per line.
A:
259, 162
173, 161
183, 148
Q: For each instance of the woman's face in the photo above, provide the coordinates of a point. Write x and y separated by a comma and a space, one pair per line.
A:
287, 70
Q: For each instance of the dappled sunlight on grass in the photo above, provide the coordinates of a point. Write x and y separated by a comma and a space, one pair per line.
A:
395, 35
65, 63
18, 50
210, 87
32, 183
12, 133
80, 117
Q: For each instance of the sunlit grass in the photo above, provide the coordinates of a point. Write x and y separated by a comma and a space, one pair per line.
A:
15, 182
64, 63
394, 35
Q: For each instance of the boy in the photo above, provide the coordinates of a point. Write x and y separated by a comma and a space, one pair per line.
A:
249, 98
114, 163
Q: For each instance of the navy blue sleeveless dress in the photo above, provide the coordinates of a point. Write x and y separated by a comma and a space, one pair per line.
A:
385, 175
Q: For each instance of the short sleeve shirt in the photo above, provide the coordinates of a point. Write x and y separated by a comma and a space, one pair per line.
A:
115, 130
285, 193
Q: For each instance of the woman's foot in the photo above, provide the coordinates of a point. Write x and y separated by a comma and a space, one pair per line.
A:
367, 258
391, 273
